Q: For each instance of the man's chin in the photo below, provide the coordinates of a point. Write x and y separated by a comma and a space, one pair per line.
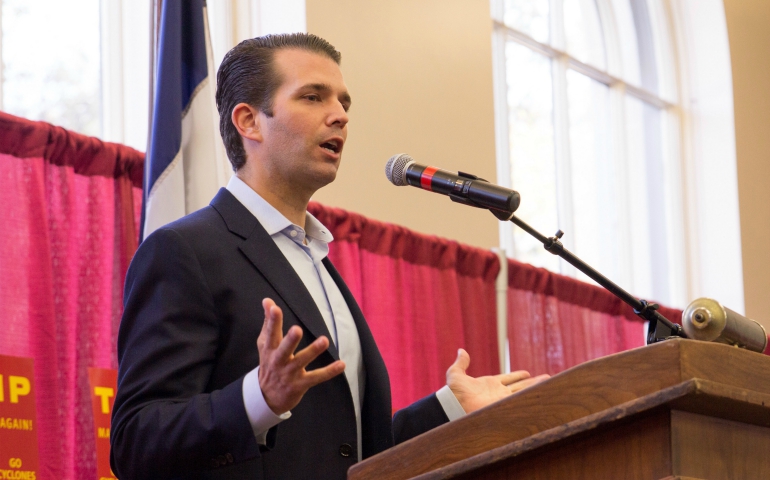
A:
323, 178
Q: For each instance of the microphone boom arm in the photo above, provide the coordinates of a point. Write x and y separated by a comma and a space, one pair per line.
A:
660, 328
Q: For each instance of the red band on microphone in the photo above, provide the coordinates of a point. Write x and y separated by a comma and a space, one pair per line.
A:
427, 177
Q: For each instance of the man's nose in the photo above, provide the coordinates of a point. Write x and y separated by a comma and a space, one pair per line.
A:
338, 116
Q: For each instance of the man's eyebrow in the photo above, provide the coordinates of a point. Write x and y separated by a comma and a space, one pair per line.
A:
323, 87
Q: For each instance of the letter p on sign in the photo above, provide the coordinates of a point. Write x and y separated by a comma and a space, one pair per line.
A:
17, 387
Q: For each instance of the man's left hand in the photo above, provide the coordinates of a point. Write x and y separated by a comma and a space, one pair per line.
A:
475, 393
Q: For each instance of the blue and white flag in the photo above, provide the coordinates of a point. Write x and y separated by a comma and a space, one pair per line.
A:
186, 163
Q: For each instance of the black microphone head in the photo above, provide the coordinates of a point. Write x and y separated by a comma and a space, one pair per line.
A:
395, 169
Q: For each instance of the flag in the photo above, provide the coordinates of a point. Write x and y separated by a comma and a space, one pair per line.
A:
186, 163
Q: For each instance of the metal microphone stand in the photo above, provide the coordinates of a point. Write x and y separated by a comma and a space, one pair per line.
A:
660, 328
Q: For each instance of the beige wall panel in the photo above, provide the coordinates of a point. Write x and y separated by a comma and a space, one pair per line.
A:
748, 27
421, 77
420, 74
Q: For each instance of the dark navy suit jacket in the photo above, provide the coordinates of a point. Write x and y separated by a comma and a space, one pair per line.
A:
188, 336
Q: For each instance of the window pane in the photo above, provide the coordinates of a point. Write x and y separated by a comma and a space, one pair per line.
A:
658, 53
583, 31
593, 175
528, 16
51, 62
636, 154
629, 49
647, 201
530, 120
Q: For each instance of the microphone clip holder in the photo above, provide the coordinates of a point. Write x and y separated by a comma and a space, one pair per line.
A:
502, 215
463, 200
660, 328
658, 331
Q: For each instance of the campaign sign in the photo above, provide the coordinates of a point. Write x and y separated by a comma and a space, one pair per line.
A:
18, 423
103, 383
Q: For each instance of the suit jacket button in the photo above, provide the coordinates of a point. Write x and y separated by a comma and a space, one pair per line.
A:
214, 462
229, 458
346, 450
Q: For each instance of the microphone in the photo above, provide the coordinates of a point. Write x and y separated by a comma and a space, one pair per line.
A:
706, 319
461, 187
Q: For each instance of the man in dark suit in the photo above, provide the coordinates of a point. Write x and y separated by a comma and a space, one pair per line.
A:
196, 398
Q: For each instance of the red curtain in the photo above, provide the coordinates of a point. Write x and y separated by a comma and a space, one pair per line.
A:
556, 322
424, 297
69, 221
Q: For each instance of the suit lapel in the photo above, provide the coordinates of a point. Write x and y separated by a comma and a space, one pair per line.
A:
268, 259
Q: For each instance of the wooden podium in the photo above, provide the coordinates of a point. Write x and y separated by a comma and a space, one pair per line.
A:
680, 409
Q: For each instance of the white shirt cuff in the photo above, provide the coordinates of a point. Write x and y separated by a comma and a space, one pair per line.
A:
260, 416
449, 403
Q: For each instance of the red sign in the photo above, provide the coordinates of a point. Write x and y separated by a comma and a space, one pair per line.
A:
18, 421
104, 384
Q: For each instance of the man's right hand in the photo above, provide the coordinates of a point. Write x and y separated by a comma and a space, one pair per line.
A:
282, 375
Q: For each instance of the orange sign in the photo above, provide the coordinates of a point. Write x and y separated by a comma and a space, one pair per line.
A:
103, 383
18, 421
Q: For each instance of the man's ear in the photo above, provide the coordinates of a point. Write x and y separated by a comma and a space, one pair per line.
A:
247, 121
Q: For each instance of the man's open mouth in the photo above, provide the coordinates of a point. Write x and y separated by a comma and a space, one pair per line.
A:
332, 145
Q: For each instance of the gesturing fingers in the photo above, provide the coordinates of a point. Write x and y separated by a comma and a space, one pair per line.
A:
303, 358
460, 365
289, 344
526, 383
320, 375
311, 352
512, 377
284, 380
271, 334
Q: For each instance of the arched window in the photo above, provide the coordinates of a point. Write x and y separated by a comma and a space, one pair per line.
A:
589, 132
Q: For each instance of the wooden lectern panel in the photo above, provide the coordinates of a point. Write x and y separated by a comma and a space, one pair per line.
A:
659, 444
715, 448
636, 449
623, 396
